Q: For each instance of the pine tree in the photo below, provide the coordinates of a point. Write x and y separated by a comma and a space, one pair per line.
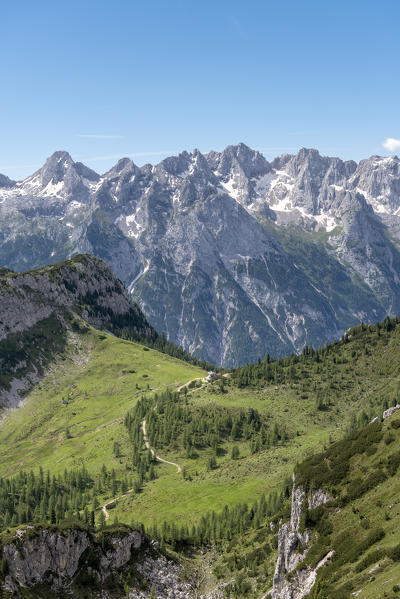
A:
102, 519
235, 452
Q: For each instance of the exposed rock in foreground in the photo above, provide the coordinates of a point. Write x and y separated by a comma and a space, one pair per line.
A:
51, 557
110, 564
290, 582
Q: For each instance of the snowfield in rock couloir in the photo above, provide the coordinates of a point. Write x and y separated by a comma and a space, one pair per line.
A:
229, 254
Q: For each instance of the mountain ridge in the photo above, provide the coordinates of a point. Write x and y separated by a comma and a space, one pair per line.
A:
219, 249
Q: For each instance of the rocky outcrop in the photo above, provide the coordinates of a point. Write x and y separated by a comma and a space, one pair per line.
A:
29, 297
54, 558
290, 582
167, 580
202, 242
42, 556
120, 552
390, 411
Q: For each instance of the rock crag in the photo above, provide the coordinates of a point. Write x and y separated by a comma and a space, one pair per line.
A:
290, 582
59, 560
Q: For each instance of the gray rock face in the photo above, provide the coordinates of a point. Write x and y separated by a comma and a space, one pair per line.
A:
165, 577
230, 255
6, 182
120, 553
32, 561
292, 548
390, 411
54, 558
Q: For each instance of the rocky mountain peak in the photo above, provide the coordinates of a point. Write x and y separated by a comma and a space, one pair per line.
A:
378, 179
124, 167
192, 169
222, 232
60, 177
200, 163
177, 165
6, 182
239, 158
56, 167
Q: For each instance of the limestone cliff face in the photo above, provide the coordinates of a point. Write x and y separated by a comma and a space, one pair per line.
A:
29, 297
47, 556
293, 546
55, 558
63, 561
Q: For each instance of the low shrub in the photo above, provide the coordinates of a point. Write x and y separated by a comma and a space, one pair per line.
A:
370, 559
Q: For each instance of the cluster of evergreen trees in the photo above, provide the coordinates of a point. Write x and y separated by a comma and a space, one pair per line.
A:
289, 369
30, 497
216, 528
174, 423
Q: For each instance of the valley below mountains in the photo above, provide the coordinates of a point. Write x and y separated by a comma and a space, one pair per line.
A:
128, 470
230, 255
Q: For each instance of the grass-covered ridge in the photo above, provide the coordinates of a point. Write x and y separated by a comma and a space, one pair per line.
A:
40, 308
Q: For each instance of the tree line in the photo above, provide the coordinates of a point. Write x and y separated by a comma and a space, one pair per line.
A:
289, 369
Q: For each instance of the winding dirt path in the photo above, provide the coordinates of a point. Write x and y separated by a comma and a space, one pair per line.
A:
148, 446
110, 501
200, 378
153, 453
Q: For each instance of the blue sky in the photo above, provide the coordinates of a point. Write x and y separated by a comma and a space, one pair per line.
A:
147, 79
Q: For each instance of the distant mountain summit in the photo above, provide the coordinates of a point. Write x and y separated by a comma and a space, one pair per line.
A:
229, 254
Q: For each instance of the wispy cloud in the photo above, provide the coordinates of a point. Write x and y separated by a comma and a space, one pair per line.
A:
391, 144
99, 136
11, 167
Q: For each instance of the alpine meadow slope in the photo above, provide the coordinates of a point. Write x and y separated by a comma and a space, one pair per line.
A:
42, 313
230, 255
76, 466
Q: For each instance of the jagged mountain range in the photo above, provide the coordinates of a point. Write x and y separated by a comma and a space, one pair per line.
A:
229, 254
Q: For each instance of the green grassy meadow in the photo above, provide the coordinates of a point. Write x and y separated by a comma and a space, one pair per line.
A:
75, 415
101, 377
355, 378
